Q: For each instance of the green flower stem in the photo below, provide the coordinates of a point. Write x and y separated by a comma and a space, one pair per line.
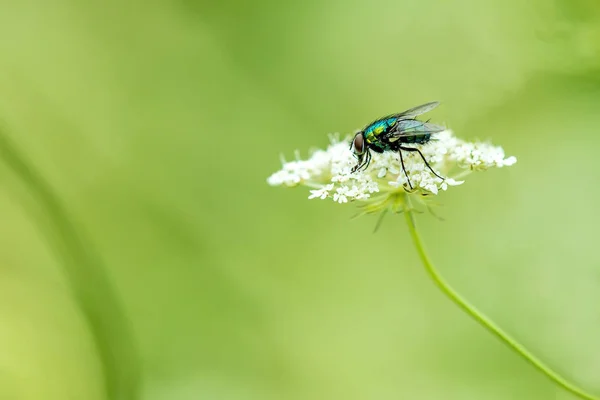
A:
484, 320
89, 282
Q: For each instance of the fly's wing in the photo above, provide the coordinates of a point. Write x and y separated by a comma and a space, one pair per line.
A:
416, 111
409, 114
412, 127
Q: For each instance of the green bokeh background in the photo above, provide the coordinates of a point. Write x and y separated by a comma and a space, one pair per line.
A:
149, 242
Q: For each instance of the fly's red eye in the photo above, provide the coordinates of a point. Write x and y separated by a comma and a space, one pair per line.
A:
359, 144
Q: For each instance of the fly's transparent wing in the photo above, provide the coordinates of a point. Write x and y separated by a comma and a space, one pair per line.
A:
416, 111
412, 127
409, 116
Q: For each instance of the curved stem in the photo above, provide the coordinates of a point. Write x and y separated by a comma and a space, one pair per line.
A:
85, 272
484, 321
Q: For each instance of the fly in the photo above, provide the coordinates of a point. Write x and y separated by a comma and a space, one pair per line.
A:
392, 133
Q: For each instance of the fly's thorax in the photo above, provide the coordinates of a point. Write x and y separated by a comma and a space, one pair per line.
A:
378, 128
370, 137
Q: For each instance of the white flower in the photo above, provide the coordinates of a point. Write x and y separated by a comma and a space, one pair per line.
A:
322, 193
328, 172
340, 194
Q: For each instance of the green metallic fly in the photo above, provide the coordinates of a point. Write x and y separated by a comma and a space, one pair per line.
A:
392, 133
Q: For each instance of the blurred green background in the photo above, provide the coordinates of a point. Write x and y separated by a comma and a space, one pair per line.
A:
142, 246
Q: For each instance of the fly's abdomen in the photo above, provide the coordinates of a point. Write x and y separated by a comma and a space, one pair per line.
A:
413, 131
416, 139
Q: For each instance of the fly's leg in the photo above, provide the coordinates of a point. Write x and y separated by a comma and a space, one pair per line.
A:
368, 160
363, 165
357, 167
424, 160
404, 169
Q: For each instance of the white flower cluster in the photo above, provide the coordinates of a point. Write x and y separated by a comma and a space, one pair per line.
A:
329, 171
